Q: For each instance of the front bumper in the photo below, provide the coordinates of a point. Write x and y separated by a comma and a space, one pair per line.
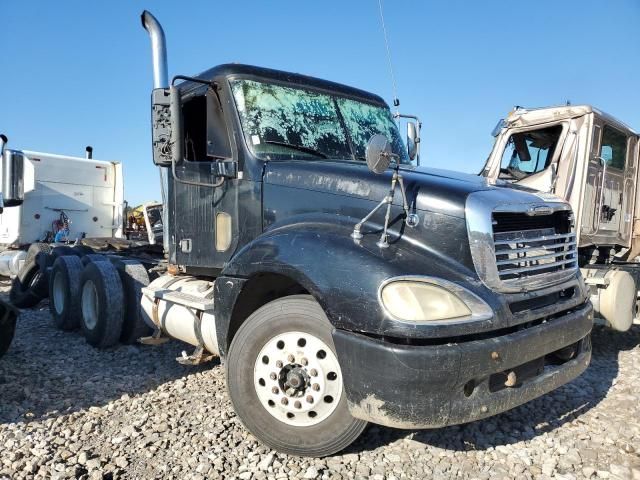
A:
429, 386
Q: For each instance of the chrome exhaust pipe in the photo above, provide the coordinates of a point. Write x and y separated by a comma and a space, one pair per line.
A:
160, 80
3, 142
88, 152
158, 49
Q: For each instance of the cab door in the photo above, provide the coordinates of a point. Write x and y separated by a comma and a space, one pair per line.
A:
203, 191
610, 186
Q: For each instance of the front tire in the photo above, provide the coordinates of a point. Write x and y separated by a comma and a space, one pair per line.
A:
285, 381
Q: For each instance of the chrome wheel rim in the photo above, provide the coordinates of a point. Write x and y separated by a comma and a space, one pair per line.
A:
58, 293
89, 305
298, 379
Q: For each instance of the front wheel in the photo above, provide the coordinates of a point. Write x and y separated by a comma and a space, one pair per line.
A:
285, 381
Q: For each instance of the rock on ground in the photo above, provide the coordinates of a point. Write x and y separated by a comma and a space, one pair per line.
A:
68, 410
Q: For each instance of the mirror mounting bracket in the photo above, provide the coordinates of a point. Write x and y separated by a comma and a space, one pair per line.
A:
411, 219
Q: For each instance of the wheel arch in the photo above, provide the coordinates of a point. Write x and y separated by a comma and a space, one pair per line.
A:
237, 299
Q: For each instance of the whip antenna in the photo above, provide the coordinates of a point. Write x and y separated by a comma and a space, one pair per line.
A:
396, 101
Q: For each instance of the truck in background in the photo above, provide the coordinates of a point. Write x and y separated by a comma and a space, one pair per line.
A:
65, 200
144, 223
590, 159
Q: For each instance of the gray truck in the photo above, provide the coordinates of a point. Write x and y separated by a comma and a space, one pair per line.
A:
339, 282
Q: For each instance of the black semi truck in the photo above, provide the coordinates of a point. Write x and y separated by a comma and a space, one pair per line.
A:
339, 282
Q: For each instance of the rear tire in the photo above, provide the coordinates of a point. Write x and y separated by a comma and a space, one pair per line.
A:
94, 257
286, 342
46, 259
8, 317
83, 250
64, 292
102, 302
30, 285
134, 278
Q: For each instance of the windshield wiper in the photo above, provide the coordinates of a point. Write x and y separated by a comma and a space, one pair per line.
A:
300, 148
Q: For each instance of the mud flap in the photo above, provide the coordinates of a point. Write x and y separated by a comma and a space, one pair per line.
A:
8, 318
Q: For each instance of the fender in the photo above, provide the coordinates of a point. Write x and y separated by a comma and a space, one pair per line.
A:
343, 275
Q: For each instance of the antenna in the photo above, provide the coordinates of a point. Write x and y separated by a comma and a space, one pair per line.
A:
396, 101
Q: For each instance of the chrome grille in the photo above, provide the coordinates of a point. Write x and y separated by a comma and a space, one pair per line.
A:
533, 246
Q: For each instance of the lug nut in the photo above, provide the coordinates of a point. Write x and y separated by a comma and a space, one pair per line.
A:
273, 376
316, 387
291, 358
279, 364
304, 362
297, 404
313, 372
309, 399
275, 390
284, 401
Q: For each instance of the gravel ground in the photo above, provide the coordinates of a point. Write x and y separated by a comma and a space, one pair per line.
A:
68, 410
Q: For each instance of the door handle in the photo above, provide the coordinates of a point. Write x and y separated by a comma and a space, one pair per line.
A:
602, 185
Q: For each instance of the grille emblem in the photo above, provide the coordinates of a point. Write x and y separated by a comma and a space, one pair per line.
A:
539, 210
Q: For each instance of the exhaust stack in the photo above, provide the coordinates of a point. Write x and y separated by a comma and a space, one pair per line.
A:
160, 80
158, 50
3, 142
88, 152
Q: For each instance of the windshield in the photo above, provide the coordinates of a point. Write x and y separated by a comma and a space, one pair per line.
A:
281, 122
529, 152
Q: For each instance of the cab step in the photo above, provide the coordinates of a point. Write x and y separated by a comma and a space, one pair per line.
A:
181, 298
199, 356
156, 339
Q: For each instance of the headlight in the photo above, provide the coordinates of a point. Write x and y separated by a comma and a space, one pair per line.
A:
423, 301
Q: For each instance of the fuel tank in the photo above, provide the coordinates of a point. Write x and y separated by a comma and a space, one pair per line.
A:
180, 320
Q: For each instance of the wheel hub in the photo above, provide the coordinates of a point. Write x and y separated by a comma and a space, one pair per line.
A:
297, 378
294, 379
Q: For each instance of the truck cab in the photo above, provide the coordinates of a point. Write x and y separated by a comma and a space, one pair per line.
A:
590, 159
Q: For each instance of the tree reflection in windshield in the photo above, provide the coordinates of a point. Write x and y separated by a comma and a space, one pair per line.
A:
276, 119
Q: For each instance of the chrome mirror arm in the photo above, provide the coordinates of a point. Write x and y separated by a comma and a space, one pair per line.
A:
411, 219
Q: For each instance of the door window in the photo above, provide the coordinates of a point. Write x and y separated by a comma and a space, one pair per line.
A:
613, 149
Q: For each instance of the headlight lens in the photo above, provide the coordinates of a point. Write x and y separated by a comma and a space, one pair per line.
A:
422, 302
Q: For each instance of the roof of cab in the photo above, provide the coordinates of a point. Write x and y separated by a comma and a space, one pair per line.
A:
522, 117
259, 73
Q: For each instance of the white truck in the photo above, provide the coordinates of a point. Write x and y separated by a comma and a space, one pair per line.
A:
65, 199
590, 159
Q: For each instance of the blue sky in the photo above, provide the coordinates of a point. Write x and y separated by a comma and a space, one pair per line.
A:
78, 73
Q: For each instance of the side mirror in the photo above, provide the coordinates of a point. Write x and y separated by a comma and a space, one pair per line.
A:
378, 153
412, 140
498, 128
12, 187
166, 130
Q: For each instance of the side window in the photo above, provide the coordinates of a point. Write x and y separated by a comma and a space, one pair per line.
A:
530, 152
613, 149
194, 117
218, 145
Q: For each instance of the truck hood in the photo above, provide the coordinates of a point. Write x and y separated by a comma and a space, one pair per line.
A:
429, 189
